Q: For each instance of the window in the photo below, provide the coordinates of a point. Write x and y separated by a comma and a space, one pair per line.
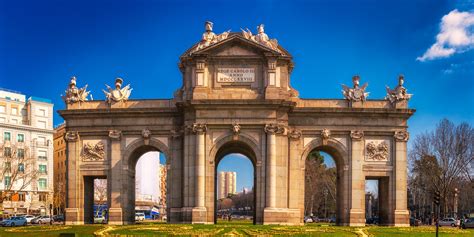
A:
42, 183
6, 136
42, 169
14, 111
41, 112
20, 138
21, 168
21, 197
20, 153
2, 109
7, 181
42, 155
8, 166
41, 140
42, 197
7, 152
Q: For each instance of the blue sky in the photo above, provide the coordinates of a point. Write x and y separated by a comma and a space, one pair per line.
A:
44, 43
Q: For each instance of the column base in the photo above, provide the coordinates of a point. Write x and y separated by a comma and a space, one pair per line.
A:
115, 216
356, 217
72, 217
199, 215
281, 216
401, 218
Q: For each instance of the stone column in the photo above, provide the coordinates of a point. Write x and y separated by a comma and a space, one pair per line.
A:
270, 200
357, 212
114, 179
401, 215
200, 130
72, 185
199, 214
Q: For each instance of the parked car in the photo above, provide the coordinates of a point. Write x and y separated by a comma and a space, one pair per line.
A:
99, 220
139, 216
308, 219
447, 222
332, 220
14, 221
29, 218
468, 223
41, 220
58, 218
414, 221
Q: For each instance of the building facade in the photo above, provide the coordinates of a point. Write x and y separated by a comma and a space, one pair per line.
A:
26, 153
236, 97
59, 180
227, 184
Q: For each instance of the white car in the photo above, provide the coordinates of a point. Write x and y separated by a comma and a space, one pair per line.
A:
447, 222
99, 220
29, 218
139, 217
308, 219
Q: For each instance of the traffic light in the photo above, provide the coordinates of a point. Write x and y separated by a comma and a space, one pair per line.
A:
436, 197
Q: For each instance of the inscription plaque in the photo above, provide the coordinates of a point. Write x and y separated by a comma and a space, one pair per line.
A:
226, 74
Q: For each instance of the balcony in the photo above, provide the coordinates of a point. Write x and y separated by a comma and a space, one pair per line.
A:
42, 157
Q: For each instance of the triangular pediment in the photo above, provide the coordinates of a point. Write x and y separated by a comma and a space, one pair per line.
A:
235, 45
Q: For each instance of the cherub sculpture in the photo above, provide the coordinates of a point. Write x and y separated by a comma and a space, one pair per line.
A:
119, 93
356, 93
261, 38
399, 93
209, 37
74, 94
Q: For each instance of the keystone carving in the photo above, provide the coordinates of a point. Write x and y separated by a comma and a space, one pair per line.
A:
115, 134
378, 152
236, 128
71, 136
146, 134
357, 134
401, 136
93, 152
295, 134
325, 135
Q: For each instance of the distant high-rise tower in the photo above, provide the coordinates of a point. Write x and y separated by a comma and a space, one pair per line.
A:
227, 184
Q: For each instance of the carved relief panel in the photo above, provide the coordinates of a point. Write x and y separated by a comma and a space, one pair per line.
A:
377, 149
93, 150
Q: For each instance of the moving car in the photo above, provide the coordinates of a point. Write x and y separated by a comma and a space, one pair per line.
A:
468, 223
14, 221
447, 222
41, 220
139, 216
99, 220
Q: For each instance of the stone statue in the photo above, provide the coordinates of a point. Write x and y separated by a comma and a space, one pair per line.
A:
261, 38
209, 37
119, 93
399, 93
74, 94
356, 93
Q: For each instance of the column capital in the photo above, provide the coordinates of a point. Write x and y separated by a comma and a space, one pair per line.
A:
71, 136
295, 134
199, 128
357, 135
115, 134
274, 129
401, 136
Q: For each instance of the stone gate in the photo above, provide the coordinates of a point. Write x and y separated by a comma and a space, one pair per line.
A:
236, 97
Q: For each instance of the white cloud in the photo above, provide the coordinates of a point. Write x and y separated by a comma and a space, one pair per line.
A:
456, 35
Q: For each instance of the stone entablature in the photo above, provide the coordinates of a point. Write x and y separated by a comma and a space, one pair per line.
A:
254, 112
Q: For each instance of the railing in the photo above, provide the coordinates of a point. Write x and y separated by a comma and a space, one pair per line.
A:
42, 157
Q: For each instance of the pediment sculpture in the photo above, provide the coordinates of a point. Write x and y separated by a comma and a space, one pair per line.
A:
355, 93
75, 94
93, 152
261, 37
399, 93
209, 37
118, 94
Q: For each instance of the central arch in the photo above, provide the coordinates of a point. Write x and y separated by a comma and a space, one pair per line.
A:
339, 153
241, 144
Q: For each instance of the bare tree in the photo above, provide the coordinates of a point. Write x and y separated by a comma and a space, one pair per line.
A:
441, 159
100, 194
17, 171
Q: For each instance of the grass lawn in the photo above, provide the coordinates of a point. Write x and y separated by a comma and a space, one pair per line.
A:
235, 228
